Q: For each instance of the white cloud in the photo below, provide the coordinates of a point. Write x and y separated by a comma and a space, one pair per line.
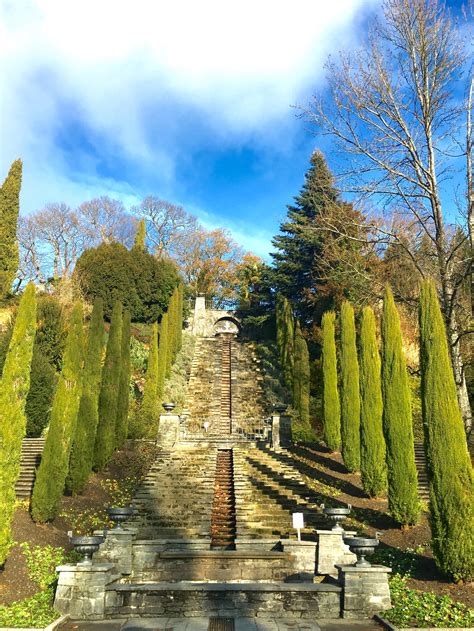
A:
114, 65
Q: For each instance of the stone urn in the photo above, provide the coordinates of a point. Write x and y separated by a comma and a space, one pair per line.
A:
87, 546
361, 547
279, 408
119, 514
337, 516
169, 407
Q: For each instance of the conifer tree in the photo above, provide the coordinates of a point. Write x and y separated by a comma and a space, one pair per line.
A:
149, 411
285, 336
180, 314
301, 376
82, 449
162, 354
449, 465
172, 325
331, 403
350, 395
165, 344
140, 238
372, 444
9, 210
14, 386
403, 502
124, 384
52, 472
108, 397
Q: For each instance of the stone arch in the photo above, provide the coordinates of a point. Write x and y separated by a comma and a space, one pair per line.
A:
227, 324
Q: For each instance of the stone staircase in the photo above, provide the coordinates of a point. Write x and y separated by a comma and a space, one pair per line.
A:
31, 452
423, 482
223, 507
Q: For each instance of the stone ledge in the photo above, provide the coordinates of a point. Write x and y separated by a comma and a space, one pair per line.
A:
224, 587
223, 554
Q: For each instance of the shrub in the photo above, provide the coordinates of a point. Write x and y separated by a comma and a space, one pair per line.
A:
350, 396
135, 278
43, 380
14, 387
105, 437
149, 411
82, 449
372, 444
121, 428
51, 330
403, 502
331, 403
449, 464
52, 472
36, 611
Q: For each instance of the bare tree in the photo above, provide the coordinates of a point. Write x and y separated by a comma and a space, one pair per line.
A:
104, 220
394, 112
167, 224
31, 263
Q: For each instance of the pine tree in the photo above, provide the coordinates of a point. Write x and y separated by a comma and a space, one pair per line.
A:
372, 444
52, 472
403, 502
140, 238
331, 403
105, 438
350, 396
9, 210
124, 384
301, 376
149, 411
449, 465
14, 386
82, 449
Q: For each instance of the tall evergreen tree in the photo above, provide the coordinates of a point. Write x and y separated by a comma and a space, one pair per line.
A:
449, 465
124, 384
403, 502
350, 395
331, 403
166, 355
52, 472
140, 238
9, 210
82, 449
301, 376
108, 397
14, 386
162, 354
372, 444
180, 314
149, 411
285, 337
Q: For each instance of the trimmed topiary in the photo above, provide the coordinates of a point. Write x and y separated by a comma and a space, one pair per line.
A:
43, 381
9, 210
149, 411
121, 428
449, 465
14, 386
350, 394
52, 472
403, 502
331, 403
372, 444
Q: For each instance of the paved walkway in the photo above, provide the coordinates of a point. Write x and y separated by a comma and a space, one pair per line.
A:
202, 624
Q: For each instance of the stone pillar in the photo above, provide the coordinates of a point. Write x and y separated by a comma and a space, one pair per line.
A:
117, 549
199, 320
168, 432
365, 590
286, 438
81, 589
275, 431
332, 551
304, 557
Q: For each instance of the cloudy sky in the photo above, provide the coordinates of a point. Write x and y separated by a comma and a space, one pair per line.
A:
189, 101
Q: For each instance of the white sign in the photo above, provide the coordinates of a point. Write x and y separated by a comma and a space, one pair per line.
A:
298, 521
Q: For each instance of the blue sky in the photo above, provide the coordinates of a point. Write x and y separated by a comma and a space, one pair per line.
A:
188, 101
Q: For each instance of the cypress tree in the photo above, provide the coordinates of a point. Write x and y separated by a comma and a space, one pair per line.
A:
149, 411
124, 384
180, 314
449, 464
52, 472
372, 444
82, 449
331, 403
105, 438
165, 346
9, 210
350, 396
43, 381
403, 501
14, 386
172, 326
140, 238
301, 376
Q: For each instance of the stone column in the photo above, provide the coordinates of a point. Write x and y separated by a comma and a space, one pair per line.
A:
275, 431
332, 551
286, 438
117, 549
168, 432
81, 589
304, 557
365, 590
